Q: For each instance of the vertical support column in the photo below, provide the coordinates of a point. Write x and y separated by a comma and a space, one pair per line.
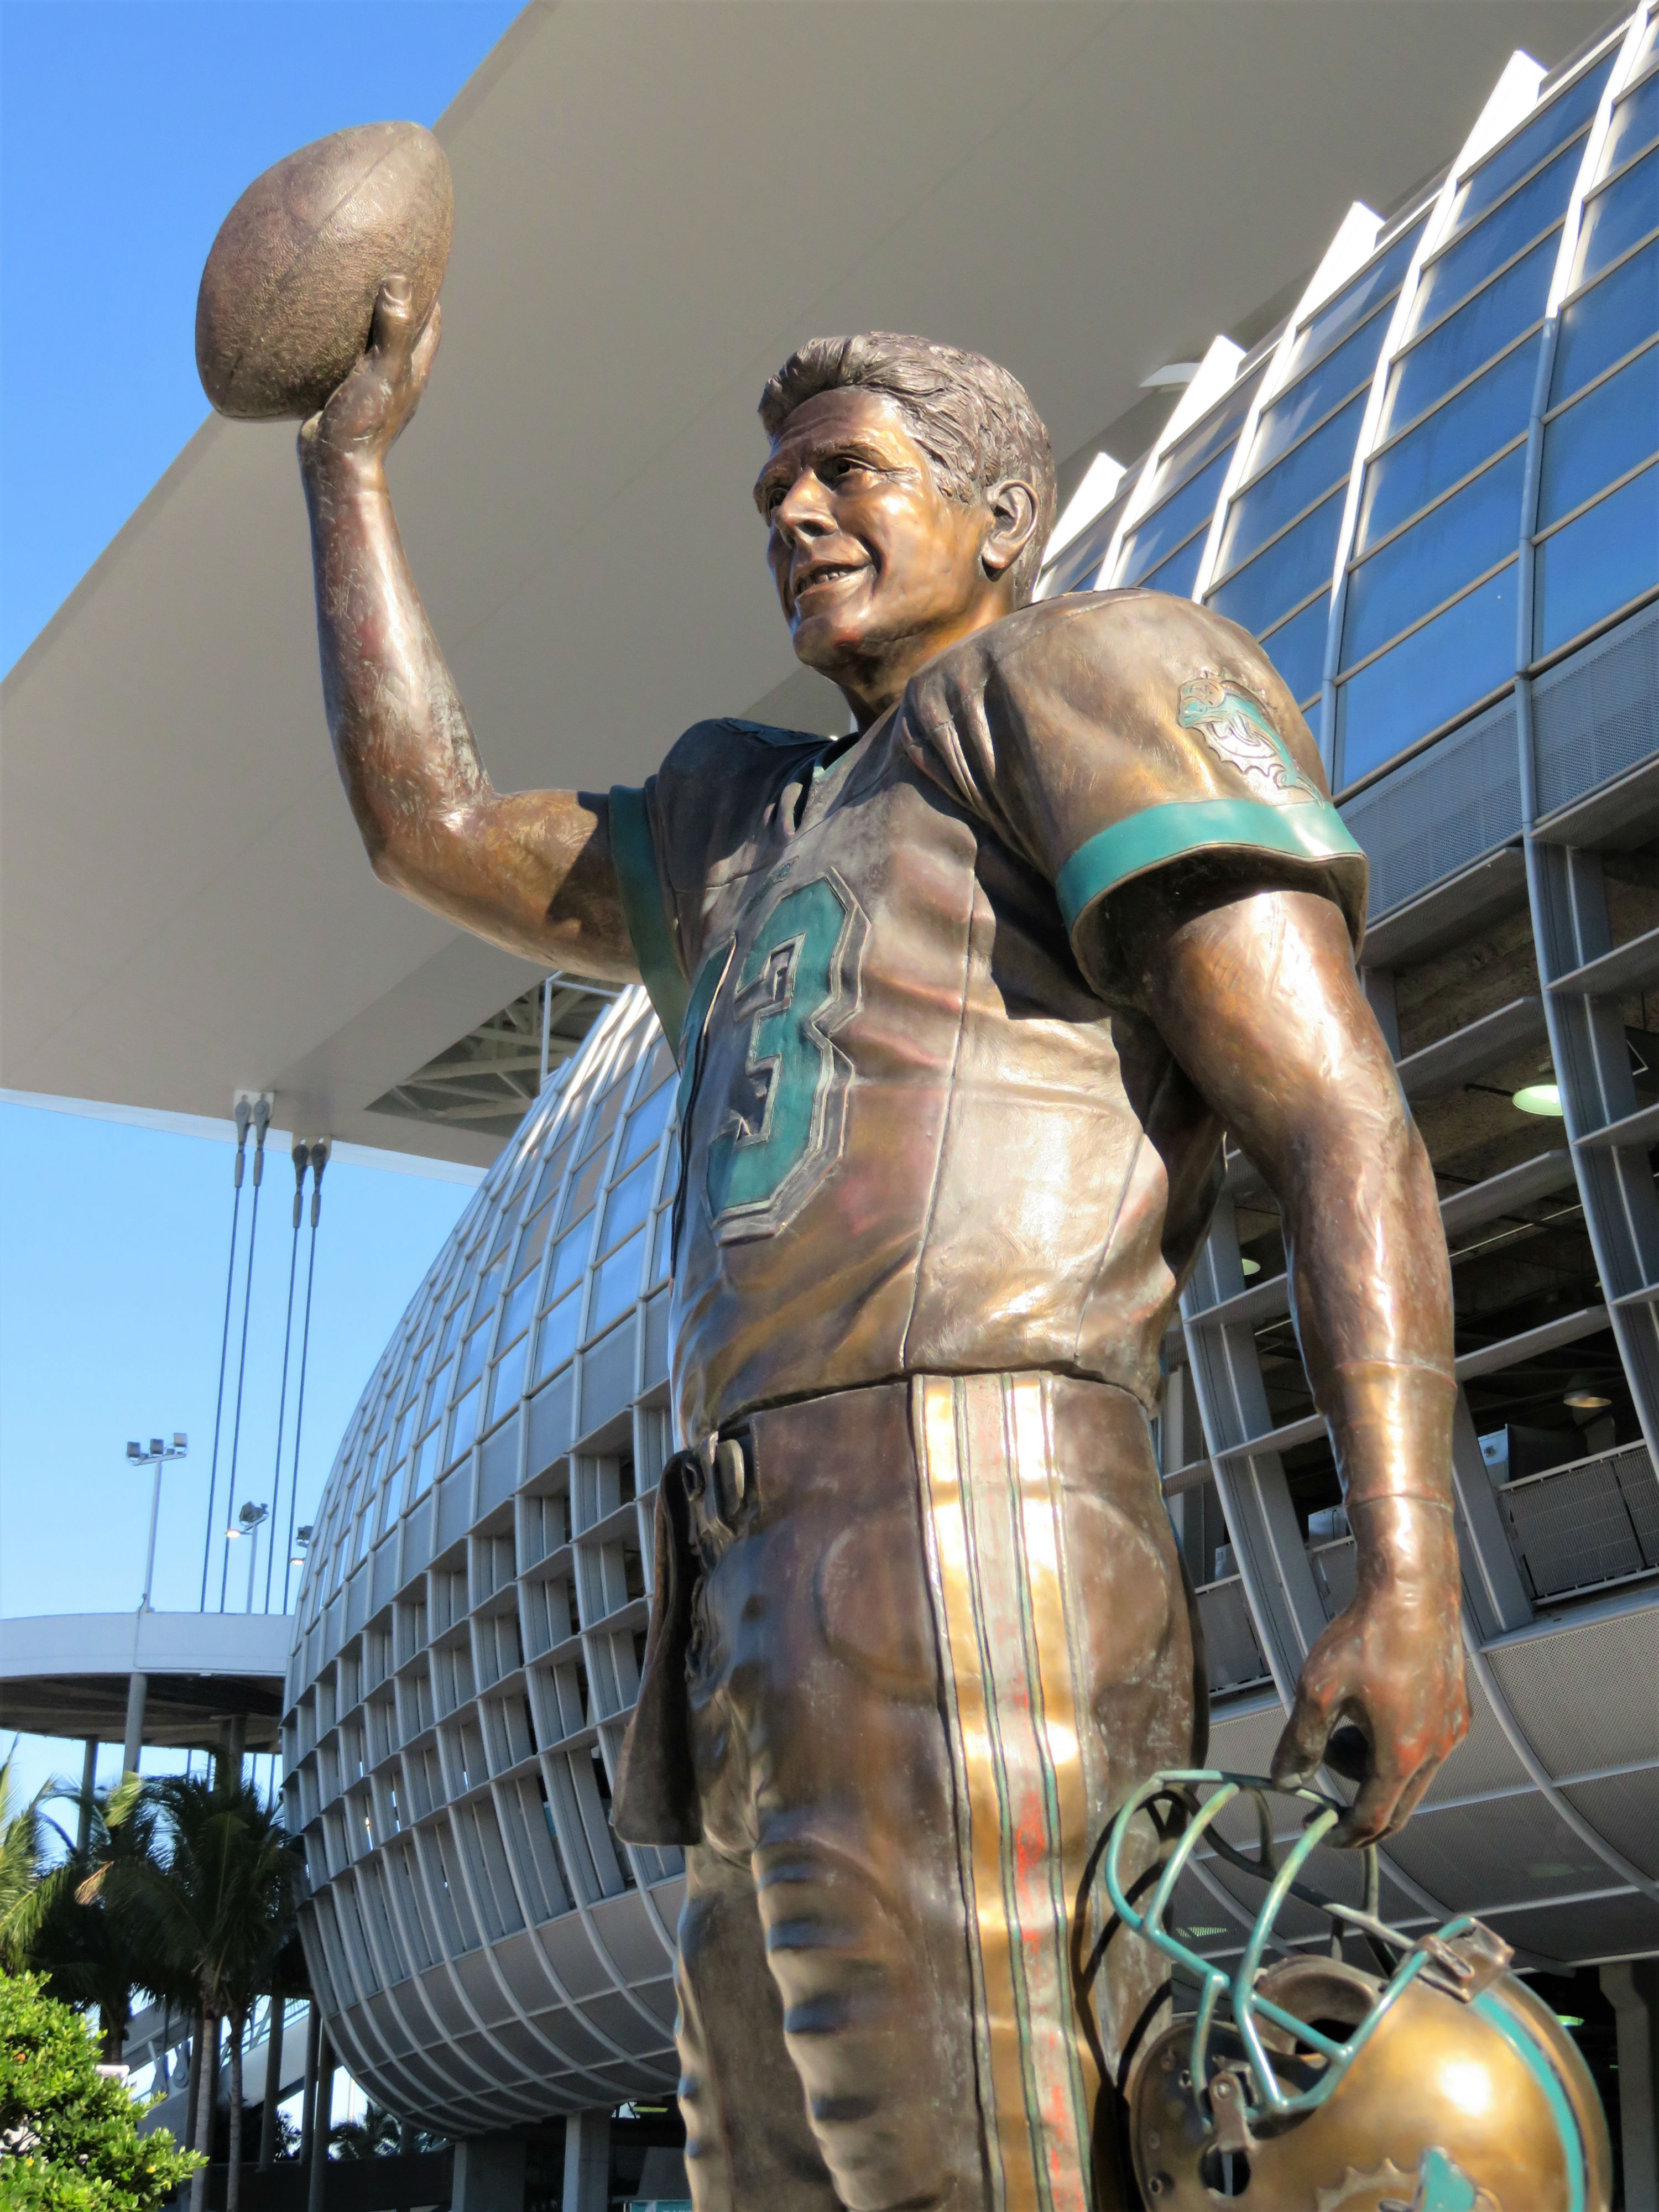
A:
1261, 1521
138, 1684
1592, 1066
88, 1783
273, 2085
322, 2120
489, 2174
1632, 1990
587, 2163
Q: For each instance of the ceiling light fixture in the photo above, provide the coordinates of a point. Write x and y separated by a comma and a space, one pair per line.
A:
1539, 1099
1585, 1395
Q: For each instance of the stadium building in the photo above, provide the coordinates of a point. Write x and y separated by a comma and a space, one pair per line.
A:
1427, 476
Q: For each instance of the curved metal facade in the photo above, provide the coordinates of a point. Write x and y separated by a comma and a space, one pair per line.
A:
470, 1624
1435, 492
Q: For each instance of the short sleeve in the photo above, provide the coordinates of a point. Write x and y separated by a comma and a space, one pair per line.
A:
634, 855
689, 828
1107, 736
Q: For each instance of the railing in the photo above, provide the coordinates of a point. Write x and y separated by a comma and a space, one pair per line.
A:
1231, 1647
1587, 1525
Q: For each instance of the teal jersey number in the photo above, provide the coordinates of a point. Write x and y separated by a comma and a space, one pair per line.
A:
797, 986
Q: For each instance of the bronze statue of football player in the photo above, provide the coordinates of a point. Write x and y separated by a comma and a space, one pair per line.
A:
963, 1002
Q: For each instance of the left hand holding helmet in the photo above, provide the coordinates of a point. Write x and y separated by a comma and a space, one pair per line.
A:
1392, 1664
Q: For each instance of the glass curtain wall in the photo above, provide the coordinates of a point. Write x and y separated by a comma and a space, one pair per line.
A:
1374, 529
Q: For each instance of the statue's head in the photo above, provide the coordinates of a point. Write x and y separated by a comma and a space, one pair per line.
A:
908, 495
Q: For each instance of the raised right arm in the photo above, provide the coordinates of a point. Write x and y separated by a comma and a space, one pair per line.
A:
530, 871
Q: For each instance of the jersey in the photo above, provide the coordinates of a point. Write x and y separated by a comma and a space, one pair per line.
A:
926, 1124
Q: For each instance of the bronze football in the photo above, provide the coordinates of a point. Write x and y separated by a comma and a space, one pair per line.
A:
287, 295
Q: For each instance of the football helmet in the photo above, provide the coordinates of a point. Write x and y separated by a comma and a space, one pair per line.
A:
1437, 2083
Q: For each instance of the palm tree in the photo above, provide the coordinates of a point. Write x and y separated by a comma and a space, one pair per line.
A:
94, 1940
222, 1905
378, 2134
22, 1868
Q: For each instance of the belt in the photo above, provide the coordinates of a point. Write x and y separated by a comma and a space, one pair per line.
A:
718, 1478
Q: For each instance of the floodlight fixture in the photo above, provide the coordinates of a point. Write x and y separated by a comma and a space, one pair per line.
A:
157, 1456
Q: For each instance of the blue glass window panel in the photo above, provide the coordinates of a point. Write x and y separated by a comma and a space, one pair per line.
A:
1479, 251
1596, 564
1616, 218
1297, 649
1448, 664
662, 1239
451, 1330
579, 1192
423, 1466
1301, 407
617, 1284
557, 1340
1605, 325
1180, 571
521, 1304
1635, 123
531, 1244
1529, 147
437, 1391
1170, 524
464, 1426
1316, 464
1339, 316
507, 1378
1295, 565
1470, 532
570, 1258
627, 1204
645, 1125
1609, 431
472, 1354
1080, 563
1485, 415
548, 1180
1470, 337
1190, 451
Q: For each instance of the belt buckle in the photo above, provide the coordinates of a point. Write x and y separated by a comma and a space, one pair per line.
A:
716, 1480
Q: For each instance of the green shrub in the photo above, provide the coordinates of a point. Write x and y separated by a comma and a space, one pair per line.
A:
69, 2138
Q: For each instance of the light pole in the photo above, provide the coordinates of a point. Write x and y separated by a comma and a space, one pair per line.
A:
248, 1522
157, 1456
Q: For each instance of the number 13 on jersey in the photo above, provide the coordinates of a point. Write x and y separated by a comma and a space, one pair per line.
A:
780, 1130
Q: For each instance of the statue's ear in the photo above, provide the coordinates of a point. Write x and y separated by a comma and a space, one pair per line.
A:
1014, 506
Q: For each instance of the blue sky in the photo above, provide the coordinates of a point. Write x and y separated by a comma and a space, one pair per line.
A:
127, 129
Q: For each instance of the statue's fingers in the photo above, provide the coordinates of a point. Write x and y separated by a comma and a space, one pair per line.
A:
426, 347
392, 333
1412, 1795
1300, 1751
1373, 1812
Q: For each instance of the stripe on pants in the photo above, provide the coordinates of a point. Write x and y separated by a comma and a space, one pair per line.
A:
992, 1524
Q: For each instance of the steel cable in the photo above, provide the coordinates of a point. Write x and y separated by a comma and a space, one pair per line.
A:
302, 1157
319, 1153
244, 1116
261, 1123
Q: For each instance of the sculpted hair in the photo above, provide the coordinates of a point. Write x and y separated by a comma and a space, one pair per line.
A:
974, 421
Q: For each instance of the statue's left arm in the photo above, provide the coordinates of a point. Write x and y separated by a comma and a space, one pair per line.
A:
1255, 991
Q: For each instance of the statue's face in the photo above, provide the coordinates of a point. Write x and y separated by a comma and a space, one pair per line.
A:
876, 568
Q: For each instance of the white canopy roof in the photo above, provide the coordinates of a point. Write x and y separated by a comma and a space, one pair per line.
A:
654, 203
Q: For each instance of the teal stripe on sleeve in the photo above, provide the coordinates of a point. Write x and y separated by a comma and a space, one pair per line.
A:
1302, 832
635, 854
